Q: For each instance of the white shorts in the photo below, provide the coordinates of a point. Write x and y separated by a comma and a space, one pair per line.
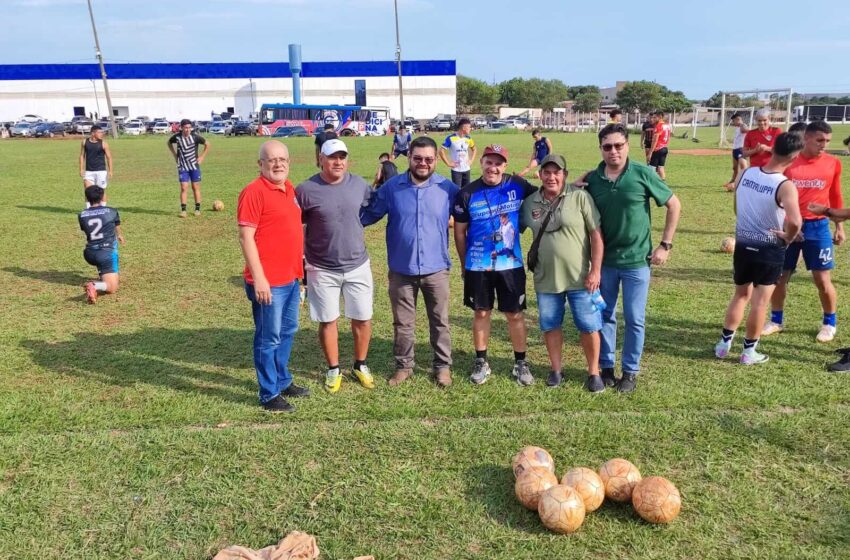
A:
324, 288
96, 178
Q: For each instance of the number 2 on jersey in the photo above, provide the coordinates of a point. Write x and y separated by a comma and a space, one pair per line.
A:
95, 225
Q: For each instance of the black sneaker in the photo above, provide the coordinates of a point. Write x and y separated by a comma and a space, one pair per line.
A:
608, 378
628, 383
843, 364
294, 391
555, 378
278, 404
594, 384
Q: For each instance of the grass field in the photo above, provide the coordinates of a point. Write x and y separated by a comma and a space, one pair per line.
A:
130, 429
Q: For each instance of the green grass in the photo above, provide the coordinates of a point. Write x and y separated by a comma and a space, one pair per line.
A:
130, 429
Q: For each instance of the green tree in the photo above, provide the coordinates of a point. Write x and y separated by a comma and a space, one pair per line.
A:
536, 93
674, 101
587, 102
641, 95
732, 100
475, 96
574, 91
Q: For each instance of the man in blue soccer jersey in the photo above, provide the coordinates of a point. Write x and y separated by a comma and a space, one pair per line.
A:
102, 227
542, 148
486, 215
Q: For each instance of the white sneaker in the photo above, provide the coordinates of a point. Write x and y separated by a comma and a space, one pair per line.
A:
826, 333
749, 357
721, 349
772, 328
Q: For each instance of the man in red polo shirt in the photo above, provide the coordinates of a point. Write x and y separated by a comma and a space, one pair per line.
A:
272, 241
758, 143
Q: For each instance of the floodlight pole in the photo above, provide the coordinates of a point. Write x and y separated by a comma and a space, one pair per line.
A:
112, 128
398, 61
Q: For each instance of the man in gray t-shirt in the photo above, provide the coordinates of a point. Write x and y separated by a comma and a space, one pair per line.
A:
337, 261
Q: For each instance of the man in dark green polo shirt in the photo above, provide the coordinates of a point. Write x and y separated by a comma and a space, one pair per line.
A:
622, 190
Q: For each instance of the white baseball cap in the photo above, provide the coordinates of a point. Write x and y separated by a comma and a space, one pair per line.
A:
333, 146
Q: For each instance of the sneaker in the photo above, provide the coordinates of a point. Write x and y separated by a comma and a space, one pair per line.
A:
594, 384
333, 380
608, 377
772, 328
278, 404
401, 375
721, 349
294, 391
364, 376
91, 292
480, 371
843, 364
197, 212
628, 383
522, 373
182, 214
444, 377
555, 378
826, 333
749, 357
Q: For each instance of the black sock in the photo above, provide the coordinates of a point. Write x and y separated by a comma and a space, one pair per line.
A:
358, 363
519, 356
333, 367
750, 343
481, 354
197, 206
183, 207
727, 335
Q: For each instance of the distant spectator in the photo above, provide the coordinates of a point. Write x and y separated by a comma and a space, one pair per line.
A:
327, 133
401, 142
386, 170
615, 116
455, 152
739, 162
542, 148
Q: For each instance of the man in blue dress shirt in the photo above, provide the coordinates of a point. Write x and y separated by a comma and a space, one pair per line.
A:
417, 205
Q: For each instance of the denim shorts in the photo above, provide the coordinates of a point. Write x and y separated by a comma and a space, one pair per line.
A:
551, 308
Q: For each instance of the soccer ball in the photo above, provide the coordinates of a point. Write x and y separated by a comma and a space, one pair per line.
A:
532, 457
531, 483
218, 206
561, 509
588, 485
620, 478
656, 500
727, 245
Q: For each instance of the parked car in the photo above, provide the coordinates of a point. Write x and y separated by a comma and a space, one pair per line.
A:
134, 128
161, 127
33, 119
23, 129
290, 131
440, 124
149, 126
220, 127
243, 128
69, 127
479, 122
49, 130
83, 126
202, 126
497, 125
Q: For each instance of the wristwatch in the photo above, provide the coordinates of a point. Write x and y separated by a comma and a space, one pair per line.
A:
665, 245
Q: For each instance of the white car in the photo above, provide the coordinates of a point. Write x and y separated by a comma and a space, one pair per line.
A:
83, 126
31, 119
134, 128
161, 127
221, 127
24, 129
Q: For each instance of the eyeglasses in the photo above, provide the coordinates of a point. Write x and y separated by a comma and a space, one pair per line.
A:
617, 146
275, 161
420, 159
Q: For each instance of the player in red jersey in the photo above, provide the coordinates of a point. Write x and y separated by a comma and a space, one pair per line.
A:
758, 143
660, 140
817, 176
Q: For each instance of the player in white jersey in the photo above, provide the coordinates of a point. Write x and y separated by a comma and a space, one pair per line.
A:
768, 219
739, 162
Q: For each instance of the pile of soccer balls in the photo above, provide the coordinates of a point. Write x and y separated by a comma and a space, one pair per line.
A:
562, 507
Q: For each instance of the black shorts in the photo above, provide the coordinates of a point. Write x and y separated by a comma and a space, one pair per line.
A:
746, 270
104, 257
397, 153
658, 158
481, 288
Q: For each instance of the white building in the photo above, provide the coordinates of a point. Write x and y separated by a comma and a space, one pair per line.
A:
194, 91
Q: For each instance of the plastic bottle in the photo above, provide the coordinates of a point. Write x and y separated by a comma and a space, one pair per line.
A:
598, 301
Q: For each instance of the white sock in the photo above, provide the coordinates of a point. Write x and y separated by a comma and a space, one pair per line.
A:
100, 286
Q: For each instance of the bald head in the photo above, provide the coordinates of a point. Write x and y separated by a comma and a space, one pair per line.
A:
274, 161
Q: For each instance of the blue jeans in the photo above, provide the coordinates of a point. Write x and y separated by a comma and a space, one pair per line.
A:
275, 327
635, 291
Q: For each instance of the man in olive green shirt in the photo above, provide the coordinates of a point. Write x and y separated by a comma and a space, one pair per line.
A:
568, 266
622, 190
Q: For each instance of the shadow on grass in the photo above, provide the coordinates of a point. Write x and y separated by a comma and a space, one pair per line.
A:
52, 276
181, 360
55, 209
493, 487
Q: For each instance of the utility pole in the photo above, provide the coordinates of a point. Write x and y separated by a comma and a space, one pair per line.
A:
398, 61
112, 127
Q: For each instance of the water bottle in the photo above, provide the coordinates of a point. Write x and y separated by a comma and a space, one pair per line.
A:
598, 301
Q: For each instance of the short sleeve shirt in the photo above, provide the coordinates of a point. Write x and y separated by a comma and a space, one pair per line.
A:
98, 223
564, 253
459, 148
279, 234
334, 236
625, 211
662, 132
187, 150
754, 138
492, 212
323, 137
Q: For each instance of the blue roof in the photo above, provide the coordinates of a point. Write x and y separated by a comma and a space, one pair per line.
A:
195, 71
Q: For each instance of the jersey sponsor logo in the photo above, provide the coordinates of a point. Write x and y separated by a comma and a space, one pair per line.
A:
809, 183
755, 186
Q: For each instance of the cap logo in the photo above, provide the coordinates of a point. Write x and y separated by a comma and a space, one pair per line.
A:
497, 148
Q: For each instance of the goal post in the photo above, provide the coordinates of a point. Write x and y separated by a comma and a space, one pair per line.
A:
778, 100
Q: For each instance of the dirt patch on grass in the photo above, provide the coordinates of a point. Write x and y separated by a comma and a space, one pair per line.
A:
701, 152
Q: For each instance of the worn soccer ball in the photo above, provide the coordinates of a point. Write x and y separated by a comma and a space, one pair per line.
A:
588, 485
620, 478
218, 206
727, 245
531, 483
656, 500
532, 457
561, 509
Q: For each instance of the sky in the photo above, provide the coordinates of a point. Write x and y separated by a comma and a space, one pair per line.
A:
696, 47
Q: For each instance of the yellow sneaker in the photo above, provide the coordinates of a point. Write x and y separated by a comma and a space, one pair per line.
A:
333, 380
364, 376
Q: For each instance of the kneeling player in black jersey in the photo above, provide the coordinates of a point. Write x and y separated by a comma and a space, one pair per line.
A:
102, 227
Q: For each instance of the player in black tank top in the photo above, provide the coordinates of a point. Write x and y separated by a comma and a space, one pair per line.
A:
95, 158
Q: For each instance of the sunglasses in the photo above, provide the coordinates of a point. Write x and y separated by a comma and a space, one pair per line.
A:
617, 146
420, 159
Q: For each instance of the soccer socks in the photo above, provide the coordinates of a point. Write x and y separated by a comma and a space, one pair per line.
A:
829, 319
777, 316
750, 343
481, 354
358, 363
519, 356
182, 207
100, 286
727, 335
197, 207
